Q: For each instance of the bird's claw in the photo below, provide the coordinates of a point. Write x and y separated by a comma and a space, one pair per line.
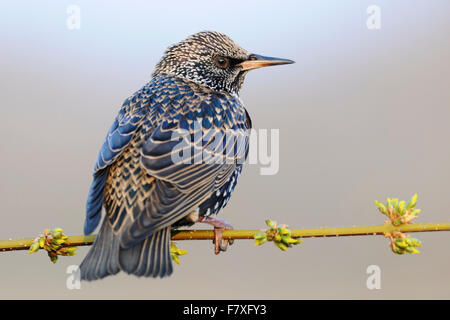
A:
219, 227
219, 243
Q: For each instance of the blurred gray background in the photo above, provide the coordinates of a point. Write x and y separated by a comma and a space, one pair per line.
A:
363, 115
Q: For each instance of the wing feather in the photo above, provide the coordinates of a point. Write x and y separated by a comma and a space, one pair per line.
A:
118, 138
189, 163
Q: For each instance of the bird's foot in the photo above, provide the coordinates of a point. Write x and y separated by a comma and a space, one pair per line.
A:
219, 226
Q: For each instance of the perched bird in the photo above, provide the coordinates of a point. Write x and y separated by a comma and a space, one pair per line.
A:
155, 173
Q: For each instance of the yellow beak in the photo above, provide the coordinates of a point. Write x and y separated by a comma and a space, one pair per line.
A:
256, 61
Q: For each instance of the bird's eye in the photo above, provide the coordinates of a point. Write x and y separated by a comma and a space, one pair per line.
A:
221, 62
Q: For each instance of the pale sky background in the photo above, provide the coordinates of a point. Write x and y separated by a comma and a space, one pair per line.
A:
363, 115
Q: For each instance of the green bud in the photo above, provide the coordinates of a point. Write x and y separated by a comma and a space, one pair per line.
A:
283, 231
176, 252
417, 242
58, 242
175, 258
412, 250
57, 235
412, 202
401, 207
281, 245
294, 241
408, 241
413, 242
395, 202
381, 207
272, 224
389, 202
34, 247
259, 242
68, 251
260, 235
285, 240
401, 243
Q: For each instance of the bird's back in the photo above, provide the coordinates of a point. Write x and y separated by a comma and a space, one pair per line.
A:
129, 176
167, 99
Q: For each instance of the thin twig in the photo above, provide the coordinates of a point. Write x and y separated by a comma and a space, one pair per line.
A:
24, 244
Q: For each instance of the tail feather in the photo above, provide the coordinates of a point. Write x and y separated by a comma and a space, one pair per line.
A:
149, 258
102, 258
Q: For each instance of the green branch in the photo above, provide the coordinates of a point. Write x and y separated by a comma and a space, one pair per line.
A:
24, 244
400, 215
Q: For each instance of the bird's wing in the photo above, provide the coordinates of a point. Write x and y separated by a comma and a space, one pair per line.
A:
190, 158
117, 139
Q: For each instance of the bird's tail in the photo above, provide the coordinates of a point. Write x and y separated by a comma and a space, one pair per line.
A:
149, 258
102, 258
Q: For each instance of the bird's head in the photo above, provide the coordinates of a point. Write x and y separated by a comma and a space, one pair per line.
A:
214, 60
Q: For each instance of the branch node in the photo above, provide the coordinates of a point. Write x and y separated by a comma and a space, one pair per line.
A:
53, 242
400, 213
280, 235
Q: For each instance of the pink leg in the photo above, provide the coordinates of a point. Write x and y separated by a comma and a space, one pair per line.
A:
219, 226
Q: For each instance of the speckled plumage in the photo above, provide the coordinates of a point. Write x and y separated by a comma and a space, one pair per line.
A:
145, 192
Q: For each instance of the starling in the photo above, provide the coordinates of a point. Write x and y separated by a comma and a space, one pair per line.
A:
157, 169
